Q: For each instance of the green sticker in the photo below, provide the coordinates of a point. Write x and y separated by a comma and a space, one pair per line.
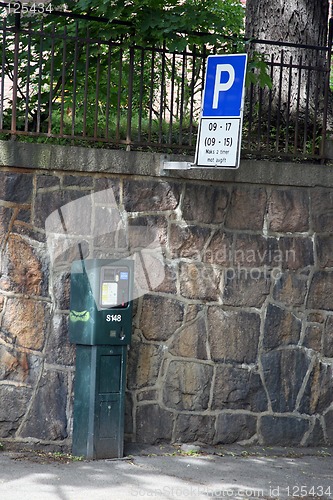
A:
79, 316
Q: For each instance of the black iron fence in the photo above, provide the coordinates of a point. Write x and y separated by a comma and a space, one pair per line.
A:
73, 83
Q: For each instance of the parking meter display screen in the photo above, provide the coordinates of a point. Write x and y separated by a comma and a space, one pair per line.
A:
114, 287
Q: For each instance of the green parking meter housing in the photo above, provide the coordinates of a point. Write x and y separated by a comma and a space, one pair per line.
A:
100, 303
100, 324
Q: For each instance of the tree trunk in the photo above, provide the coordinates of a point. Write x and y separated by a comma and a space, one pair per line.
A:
299, 74
295, 21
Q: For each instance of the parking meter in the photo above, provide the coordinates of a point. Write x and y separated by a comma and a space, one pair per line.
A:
100, 324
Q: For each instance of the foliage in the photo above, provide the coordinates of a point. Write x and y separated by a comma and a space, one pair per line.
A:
82, 85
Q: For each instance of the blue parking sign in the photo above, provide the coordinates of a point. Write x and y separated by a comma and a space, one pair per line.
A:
224, 86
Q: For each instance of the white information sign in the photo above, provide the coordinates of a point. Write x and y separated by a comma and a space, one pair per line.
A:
220, 126
218, 142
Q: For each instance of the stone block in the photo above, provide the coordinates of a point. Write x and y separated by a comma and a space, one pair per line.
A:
284, 373
281, 328
282, 431
256, 251
219, 249
26, 321
316, 437
58, 349
328, 418
318, 392
191, 340
152, 196
296, 252
156, 307
61, 290
324, 250
107, 227
322, 210
45, 181
187, 241
47, 417
153, 424
233, 335
148, 395
78, 180
16, 188
290, 288
144, 363
234, 427
187, 385
25, 268
156, 275
194, 428
14, 404
313, 337
288, 210
128, 422
200, 281
247, 208
246, 289
238, 389
76, 217
205, 203
147, 231
17, 366
328, 338
5, 217
107, 191
321, 291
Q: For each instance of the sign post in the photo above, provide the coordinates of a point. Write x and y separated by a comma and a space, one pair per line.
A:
220, 127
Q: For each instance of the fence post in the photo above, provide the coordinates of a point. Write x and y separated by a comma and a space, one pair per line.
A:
130, 99
15, 69
327, 88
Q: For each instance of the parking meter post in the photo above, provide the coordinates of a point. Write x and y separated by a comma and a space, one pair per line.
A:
100, 325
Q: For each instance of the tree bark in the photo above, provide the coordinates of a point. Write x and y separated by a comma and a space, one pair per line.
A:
299, 74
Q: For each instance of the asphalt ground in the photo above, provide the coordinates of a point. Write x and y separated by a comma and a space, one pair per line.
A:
168, 472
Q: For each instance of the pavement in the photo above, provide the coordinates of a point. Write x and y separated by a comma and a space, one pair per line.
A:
166, 472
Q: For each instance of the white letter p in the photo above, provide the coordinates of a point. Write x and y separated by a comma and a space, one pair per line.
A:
222, 87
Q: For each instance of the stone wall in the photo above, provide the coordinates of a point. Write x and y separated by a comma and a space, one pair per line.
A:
234, 345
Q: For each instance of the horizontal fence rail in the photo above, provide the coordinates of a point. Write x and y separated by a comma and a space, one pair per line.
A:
74, 84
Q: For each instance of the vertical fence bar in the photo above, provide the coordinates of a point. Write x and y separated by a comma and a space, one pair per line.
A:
290, 76
120, 82
306, 116
76, 56
98, 67
270, 99
15, 70
108, 92
63, 79
130, 99
151, 94
140, 103
40, 72
327, 87
27, 86
279, 102
182, 99
49, 125
85, 92
172, 96
299, 79
192, 90
162, 96
3, 73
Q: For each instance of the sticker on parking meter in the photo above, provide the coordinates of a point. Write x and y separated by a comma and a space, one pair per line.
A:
109, 294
